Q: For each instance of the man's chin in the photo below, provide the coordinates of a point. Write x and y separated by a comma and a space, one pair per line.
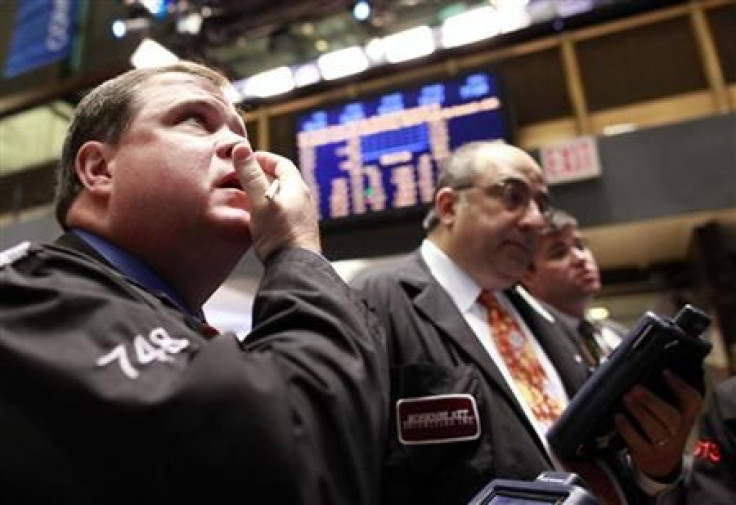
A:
232, 223
588, 291
231, 216
514, 268
520, 256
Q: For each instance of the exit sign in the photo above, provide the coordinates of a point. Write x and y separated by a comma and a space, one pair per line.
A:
571, 161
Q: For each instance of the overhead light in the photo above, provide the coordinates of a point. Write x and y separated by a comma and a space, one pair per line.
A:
122, 27
118, 29
375, 51
616, 129
155, 7
513, 4
151, 54
470, 26
598, 313
269, 83
567, 9
306, 74
190, 23
321, 45
512, 15
362, 10
409, 44
342, 62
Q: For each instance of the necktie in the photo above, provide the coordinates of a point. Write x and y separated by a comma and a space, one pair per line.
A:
531, 379
590, 347
522, 362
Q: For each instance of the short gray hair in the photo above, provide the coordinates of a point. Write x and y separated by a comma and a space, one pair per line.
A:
557, 221
459, 169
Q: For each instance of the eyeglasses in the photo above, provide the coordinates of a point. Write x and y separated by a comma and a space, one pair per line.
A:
514, 194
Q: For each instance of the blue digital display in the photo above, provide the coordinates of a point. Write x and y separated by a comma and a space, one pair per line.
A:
384, 153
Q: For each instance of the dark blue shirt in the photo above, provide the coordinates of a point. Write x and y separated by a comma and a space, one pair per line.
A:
136, 270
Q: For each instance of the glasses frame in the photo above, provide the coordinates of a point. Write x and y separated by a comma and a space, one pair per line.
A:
501, 190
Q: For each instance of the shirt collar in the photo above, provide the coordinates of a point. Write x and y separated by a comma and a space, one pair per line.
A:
570, 320
134, 269
463, 290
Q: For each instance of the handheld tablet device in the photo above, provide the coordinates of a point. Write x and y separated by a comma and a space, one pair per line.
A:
654, 344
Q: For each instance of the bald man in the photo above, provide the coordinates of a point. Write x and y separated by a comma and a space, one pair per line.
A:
478, 376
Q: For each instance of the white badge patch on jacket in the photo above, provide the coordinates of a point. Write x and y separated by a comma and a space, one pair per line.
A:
437, 419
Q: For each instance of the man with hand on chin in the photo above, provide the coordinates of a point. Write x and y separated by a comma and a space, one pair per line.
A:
113, 387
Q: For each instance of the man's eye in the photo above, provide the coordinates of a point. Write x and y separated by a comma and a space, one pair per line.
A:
557, 253
195, 118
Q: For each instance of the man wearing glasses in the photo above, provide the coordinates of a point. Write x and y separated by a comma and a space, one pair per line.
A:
478, 375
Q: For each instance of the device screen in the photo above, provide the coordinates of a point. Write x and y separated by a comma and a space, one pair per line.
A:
518, 500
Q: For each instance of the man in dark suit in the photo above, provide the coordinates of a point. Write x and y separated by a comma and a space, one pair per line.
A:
461, 416
565, 276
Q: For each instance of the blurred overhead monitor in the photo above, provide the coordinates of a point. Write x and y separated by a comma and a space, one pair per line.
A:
373, 156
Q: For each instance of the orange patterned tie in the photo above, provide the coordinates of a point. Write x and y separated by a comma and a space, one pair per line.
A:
522, 362
533, 382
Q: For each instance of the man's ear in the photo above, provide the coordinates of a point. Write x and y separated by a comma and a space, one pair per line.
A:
92, 167
445, 205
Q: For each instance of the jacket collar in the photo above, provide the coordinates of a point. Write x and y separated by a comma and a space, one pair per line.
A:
128, 265
434, 303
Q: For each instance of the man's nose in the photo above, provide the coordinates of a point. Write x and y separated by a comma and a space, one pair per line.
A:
578, 255
227, 141
533, 216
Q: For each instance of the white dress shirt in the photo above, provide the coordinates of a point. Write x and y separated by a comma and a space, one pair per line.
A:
464, 292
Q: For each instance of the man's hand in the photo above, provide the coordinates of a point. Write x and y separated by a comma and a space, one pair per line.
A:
657, 448
282, 215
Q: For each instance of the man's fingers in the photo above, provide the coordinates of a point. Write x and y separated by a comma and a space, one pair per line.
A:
283, 176
277, 166
282, 214
691, 402
659, 411
249, 171
631, 435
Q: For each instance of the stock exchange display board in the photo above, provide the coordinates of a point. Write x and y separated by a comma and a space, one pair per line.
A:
383, 153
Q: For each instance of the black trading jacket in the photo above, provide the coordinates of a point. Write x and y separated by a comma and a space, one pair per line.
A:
109, 394
713, 478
